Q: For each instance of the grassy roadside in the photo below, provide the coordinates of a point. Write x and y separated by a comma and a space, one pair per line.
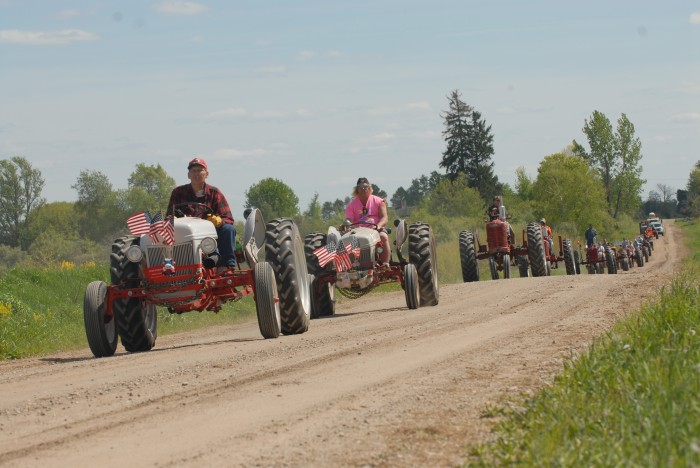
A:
632, 400
41, 310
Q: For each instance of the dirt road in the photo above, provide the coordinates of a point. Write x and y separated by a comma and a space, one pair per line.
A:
375, 385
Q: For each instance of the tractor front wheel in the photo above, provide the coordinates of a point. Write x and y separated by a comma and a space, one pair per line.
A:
569, 261
266, 302
410, 286
101, 333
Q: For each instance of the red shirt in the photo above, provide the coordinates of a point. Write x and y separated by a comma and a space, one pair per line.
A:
212, 197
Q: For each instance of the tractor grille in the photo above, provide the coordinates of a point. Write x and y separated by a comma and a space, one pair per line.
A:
183, 254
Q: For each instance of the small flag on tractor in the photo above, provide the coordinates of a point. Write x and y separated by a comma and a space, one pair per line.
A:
168, 231
342, 259
156, 227
325, 254
139, 223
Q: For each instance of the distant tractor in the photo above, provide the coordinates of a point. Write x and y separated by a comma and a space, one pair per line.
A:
500, 250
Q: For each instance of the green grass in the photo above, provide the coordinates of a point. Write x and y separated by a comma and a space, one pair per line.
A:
41, 310
632, 400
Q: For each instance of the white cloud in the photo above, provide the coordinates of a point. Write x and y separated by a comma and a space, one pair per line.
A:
695, 17
304, 112
64, 36
690, 88
688, 117
67, 14
228, 112
270, 114
506, 110
334, 53
273, 69
384, 136
180, 8
197, 39
427, 135
306, 54
229, 154
418, 105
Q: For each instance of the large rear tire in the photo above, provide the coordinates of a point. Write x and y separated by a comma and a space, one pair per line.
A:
467, 257
569, 261
610, 261
323, 297
577, 262
137, 321
625, 260
423, 254
410, 286
101, 333
506, 266
266, 303
535, 250
284, 251
638, 255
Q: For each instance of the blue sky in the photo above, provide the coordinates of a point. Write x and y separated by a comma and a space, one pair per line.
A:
319, 93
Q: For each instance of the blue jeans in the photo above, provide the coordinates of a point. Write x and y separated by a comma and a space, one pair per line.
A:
227, 244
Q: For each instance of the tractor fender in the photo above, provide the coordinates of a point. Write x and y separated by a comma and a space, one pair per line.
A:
253, 236
333, 235
401, 233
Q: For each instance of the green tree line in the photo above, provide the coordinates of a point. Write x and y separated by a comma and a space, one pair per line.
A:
574, 187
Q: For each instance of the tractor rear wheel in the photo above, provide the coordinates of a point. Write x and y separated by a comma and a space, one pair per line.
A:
323, 297
535, 250
410, 286
577, 262
467, 257
284, 251
569, 258
266, 304
610, 260
638, 255
645, 251
423, 254
137, 321
625, 260
101, 333
523, 266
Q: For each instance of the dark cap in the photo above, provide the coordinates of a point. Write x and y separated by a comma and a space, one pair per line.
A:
197, 162
362, 181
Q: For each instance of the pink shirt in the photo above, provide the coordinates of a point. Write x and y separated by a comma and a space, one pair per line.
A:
357, 213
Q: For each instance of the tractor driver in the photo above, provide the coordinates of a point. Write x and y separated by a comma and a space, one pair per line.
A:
547, 232
366, 207
198, 191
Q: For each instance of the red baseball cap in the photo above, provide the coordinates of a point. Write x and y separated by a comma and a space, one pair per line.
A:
198, 161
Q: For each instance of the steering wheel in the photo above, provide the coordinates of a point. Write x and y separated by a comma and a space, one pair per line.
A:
347, 226
193, 209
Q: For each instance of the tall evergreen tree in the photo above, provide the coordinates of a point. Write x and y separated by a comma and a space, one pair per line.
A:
469, 147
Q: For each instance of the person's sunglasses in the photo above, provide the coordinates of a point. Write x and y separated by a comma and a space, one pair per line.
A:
363, 188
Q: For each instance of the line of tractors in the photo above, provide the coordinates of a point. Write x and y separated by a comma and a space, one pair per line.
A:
536, 255
294, 279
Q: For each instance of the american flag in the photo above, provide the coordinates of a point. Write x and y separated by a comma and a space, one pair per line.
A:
354, 247
156, 227
168, 231
139, 223
325, 254
342, 259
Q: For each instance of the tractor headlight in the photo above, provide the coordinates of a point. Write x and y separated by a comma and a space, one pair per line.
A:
134, 253
208, 245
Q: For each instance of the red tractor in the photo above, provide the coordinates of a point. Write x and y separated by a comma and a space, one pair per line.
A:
533, 255
181, 275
